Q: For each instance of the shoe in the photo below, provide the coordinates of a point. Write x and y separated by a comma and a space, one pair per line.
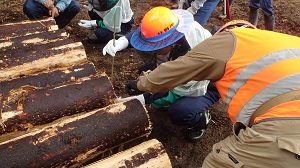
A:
269, 22
197, 131
93, 40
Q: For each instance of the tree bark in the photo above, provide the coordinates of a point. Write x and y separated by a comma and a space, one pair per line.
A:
50, 78
28, 106
147, 154
30, 47
76, 139
27, 27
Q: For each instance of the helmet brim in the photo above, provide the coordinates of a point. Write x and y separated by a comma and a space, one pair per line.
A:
139, 43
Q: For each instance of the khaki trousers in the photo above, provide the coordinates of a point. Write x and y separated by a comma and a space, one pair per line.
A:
270, 144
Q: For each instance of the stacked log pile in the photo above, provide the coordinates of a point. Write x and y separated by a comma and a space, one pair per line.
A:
45, 75
73, 140
56, 110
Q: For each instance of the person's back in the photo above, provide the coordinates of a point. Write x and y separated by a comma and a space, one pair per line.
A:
261, 86
109, 18
174, 33
274, 52
257, 75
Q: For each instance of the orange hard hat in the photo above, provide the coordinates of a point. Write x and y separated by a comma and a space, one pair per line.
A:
158, 21
161, 27
234, 24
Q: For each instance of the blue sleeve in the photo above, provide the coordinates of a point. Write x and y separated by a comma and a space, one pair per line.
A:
62, 4
40, 1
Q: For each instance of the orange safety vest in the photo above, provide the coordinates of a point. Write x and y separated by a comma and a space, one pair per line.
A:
264, 65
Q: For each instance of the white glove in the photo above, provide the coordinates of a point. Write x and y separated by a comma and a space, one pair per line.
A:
139, 97
181, 2
87, 5
88, 24
120, 44
193, 8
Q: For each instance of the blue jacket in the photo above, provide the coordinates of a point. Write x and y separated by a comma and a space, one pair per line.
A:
60, 4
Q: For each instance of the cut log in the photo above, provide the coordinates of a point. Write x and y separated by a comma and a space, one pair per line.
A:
28, 42
30, 106
27, 27
76, 139
49, 78
41, 60
40, 47
147, 154
30, 48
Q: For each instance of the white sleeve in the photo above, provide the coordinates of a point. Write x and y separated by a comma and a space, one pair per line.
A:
199, 3
196, 34
192, 88
126, 11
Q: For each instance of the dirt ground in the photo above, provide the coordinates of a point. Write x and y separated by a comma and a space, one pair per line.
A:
181, 153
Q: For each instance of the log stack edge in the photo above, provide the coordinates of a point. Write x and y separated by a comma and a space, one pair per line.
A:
56, 110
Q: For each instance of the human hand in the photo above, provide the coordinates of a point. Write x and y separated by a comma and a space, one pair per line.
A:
54, 12
87, 5
49, 4
180, 3
112, 48
132, 89
139, 97
87, 24
193, 8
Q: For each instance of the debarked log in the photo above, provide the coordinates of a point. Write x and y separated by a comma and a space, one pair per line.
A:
30, 106
73, 140
147, 154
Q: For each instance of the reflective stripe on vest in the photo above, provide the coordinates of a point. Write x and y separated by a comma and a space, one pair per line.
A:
264, 65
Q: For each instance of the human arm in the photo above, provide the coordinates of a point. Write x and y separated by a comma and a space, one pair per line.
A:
111, 19
156, 101
47, 3
139, 97
181, 3
61, 5
87, 24
54, 12
195, 6
120, 44
206, 61
54, 9
87, 5
196, 34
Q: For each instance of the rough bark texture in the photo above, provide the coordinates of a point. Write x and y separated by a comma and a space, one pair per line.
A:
26, 27
147, 154
182, 153
73, 140
28, 106
49, 78
31, 47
